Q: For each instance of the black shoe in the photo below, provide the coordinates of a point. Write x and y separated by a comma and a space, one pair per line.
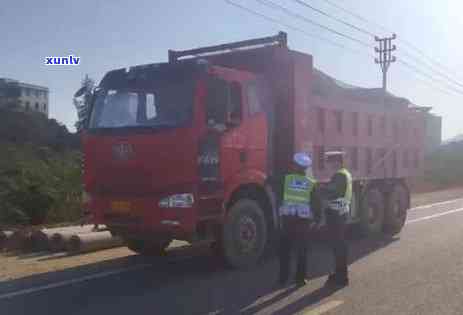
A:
341, 283
301, 282
331, 281
337, 282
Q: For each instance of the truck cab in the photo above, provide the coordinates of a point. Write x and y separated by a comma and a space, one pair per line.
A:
167, 145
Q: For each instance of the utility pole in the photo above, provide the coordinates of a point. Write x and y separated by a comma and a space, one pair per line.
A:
385, 59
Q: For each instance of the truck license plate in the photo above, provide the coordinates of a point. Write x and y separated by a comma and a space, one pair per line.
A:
120, 206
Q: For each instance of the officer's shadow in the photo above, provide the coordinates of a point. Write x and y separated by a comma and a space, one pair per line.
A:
310, 299
319, 264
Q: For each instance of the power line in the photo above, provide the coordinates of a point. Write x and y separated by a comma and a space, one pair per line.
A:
438, 72
435, 87
362, 30
434, 62
333, 43
271, 19
358, 16
302, 17
419, 77
405, 53
422, 73
405, 42
446, 92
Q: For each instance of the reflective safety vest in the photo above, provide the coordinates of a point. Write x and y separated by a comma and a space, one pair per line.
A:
342, 205
296, 195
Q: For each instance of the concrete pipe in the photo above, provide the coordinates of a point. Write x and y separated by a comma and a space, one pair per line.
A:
58, 241
19, 240
68, 228
92, 242
4, 236
40, 239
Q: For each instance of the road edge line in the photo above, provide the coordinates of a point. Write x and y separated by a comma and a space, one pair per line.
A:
435, 204
434, 216
71, 281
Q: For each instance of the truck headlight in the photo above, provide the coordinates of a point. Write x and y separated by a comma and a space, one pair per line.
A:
177, 201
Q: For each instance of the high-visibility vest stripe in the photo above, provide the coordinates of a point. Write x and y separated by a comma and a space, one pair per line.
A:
343, 204
297, 188
348, 194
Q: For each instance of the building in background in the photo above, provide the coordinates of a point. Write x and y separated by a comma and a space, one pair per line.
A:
433, 129
21, 96
433, 132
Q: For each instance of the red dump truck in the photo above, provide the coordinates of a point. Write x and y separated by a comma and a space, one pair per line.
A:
196, 148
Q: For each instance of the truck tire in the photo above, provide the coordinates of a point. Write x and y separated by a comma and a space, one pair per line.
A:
372, 212
397, 204
148, 248
244, 234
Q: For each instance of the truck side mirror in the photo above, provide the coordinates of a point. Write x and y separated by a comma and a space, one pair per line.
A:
80, 92
83, 106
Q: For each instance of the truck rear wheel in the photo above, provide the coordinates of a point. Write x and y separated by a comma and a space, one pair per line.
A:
372, 211
148, 248
244, 234
397, 205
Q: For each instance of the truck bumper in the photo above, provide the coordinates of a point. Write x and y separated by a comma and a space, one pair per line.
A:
142, 218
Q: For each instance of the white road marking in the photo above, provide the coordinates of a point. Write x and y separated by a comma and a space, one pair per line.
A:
434, 216
71, 281
326, 307
435, 204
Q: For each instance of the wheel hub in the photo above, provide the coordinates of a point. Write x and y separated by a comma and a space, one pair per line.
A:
372, 214
398, 210
247, 233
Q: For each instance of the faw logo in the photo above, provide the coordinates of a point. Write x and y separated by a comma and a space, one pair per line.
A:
208, 159
122, 151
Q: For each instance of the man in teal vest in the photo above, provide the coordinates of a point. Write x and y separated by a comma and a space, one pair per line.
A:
338, 193
298, 210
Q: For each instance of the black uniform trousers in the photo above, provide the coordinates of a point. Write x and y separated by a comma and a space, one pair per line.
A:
294, 236
336, 225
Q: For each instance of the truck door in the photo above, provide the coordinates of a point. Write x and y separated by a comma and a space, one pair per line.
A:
224, 120
256, 128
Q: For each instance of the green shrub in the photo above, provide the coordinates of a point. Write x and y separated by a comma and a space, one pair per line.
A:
40, 179
12, 215
39, 185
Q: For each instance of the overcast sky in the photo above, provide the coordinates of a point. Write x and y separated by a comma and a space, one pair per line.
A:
114, 34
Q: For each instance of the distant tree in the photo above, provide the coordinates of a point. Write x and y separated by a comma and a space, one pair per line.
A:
82, 99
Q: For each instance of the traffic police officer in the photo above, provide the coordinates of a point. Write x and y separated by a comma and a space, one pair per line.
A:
297, 212
338, 193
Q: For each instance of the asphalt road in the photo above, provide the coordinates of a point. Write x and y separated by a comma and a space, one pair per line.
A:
418, 272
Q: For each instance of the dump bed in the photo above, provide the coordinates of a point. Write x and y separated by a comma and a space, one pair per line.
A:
309, 111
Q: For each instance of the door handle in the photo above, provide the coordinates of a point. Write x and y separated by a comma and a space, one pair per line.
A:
243, 157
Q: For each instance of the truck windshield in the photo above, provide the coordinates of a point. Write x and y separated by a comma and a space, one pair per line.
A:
164, 106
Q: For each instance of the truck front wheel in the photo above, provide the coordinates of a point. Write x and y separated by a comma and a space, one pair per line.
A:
148, 248
244, 234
